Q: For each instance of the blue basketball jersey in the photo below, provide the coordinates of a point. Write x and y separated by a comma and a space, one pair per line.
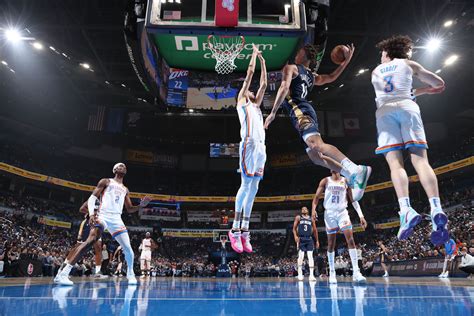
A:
305, 227
302, 84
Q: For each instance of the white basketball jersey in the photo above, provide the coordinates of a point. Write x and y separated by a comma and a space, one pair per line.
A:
113, 198
335, 195
251, 121
146, 244
392, 81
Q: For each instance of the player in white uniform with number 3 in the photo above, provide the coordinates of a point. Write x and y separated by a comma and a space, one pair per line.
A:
399, 127
252, 153
336, 194
111, 195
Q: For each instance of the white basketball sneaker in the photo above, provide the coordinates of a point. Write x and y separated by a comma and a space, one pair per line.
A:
358, 277
132, 280
332, 277
358, 182
312, 278
300, 277
62, 279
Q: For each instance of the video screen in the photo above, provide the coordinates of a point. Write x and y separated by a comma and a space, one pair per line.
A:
220, 150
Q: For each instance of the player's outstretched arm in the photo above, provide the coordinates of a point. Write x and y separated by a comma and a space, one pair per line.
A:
288, 72
263, 80
356, 206
318, 195
295, 229
250, 72
324, 79
434, 82
134, 208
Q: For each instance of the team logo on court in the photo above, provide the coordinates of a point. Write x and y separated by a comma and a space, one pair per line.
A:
228, 4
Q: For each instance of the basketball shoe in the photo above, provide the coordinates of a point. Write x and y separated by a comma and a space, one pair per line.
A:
440, 233
358, 182
236, 241
245, 241
408, 220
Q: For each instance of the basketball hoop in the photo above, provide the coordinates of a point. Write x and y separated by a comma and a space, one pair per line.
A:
224, 50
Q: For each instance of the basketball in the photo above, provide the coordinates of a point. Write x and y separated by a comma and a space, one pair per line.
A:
339, 53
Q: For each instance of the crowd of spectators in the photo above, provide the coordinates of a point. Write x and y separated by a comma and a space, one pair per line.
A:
23, 237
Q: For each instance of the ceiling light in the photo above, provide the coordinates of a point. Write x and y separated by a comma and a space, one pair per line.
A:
64, 55
38, 45
123, 85
342, 85
438, 71
433, 44
325, 88
5, 63
191, 110
448, 23
107, 82
85, 65
12, 70
361, 71
13, 35
451, 59
52, 48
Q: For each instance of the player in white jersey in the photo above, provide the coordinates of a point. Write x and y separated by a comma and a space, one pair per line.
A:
336, 218
252, 153
111, 195
146, 247
399, 127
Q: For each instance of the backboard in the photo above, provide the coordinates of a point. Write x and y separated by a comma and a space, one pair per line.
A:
179, 30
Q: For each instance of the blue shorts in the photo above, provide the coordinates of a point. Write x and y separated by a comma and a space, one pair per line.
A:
85, 229
306, 245
303, 117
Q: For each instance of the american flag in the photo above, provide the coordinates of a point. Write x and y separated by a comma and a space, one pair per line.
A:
171, 15
96, 120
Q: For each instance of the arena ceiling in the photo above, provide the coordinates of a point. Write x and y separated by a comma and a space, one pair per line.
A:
91, 31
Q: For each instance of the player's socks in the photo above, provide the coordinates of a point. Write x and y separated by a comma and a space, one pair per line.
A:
300, 273
97, 269
236, 223
331, 260
355, 265
435, 203
404, 203
349, 168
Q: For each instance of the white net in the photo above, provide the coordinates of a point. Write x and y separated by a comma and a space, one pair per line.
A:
224, 50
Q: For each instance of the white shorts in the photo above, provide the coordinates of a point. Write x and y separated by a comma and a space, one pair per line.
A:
112, 223
399, 126
145, 255
252, 158
336, 220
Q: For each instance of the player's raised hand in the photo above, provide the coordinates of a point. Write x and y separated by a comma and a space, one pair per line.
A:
255, 49
348, 55
269, 120
363, 222
144, 202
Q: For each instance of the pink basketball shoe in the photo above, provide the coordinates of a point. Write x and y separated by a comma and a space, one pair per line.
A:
246, 242
236, 241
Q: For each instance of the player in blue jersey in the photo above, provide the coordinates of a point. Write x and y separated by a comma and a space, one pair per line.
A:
451, 250
298, 80
304, 228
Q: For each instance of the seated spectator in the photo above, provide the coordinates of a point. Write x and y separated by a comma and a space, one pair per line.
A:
467, 263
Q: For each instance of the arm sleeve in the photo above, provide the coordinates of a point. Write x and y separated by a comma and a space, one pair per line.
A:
357, 208
91, 204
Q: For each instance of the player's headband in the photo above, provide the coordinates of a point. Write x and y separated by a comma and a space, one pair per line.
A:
114, 169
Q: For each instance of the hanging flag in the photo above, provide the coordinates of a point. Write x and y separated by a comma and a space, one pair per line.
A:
351, 124
115, 120
334, 123
96, 120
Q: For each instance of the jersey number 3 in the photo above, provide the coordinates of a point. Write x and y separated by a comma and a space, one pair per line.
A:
388, 83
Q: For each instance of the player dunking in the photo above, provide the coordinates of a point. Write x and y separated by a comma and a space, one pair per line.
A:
297, 82
399, 127
336, 217
111, 195
252, 153
146, 247
304, 227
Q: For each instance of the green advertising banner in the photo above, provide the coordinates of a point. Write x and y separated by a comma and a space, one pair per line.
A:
192, 51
